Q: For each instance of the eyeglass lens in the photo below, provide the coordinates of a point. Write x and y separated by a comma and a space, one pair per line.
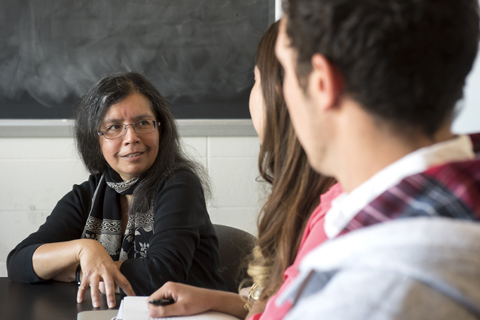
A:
119, 129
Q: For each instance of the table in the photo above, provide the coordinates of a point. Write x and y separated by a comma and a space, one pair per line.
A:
49, 300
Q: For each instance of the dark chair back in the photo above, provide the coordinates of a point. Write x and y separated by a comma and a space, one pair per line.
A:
234, 246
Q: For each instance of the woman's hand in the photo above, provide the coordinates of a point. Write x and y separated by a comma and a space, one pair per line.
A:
102, 284
97, 266
244, 292
192, 300
59, 260
188, 300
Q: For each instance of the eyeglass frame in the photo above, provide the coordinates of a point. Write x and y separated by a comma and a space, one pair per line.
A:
156, 124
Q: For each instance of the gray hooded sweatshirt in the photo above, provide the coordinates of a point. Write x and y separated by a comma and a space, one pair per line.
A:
416, 268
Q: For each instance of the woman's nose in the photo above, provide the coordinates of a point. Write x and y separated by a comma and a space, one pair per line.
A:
131, 135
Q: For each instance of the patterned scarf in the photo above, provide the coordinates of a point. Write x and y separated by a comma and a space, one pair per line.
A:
104, 222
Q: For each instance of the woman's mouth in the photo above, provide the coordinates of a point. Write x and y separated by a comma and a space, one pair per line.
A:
132, 156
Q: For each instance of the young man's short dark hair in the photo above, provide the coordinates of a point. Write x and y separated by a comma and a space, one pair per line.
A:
404, 61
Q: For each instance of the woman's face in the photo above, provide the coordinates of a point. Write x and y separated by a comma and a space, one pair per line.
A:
257, 106
132, 154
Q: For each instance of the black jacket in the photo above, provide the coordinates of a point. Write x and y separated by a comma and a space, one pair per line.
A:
183, 247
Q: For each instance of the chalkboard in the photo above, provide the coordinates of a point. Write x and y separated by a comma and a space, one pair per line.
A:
198, 53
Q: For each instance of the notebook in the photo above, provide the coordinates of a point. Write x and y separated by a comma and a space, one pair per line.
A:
97, 315
135, 308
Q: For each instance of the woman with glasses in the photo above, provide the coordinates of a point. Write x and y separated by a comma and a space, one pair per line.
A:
141, 219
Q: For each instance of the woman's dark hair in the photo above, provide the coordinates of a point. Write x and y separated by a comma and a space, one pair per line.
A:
295, 186
88, 117
404, 61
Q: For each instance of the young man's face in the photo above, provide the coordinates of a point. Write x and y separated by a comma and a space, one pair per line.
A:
305, 119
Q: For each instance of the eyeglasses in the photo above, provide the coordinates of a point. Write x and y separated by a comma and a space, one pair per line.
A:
118, 130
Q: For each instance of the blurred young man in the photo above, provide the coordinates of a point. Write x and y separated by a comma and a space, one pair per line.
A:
371, 88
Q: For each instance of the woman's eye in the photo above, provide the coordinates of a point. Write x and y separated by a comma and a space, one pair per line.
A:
143, 123
114, 127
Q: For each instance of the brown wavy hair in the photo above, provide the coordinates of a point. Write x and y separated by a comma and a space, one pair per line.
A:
295, 186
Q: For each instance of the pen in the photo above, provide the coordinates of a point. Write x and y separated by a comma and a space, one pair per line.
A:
161, 302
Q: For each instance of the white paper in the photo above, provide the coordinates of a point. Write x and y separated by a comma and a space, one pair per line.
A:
120, 312
135, 308
97, 315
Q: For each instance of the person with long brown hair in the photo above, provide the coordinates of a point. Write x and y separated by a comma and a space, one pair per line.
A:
295, 192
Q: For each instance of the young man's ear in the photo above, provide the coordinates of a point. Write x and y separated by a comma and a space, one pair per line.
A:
325, 82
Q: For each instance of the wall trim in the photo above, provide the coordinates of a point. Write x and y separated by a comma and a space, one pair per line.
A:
186, 127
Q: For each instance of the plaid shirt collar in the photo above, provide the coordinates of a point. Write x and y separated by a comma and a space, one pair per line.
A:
346, 206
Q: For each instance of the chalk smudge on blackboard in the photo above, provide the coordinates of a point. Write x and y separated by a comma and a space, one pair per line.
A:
196, 52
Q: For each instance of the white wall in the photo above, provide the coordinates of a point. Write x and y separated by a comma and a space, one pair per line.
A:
278, 9
36, 172
469, 118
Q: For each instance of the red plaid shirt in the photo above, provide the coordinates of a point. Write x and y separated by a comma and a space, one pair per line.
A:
449, 190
